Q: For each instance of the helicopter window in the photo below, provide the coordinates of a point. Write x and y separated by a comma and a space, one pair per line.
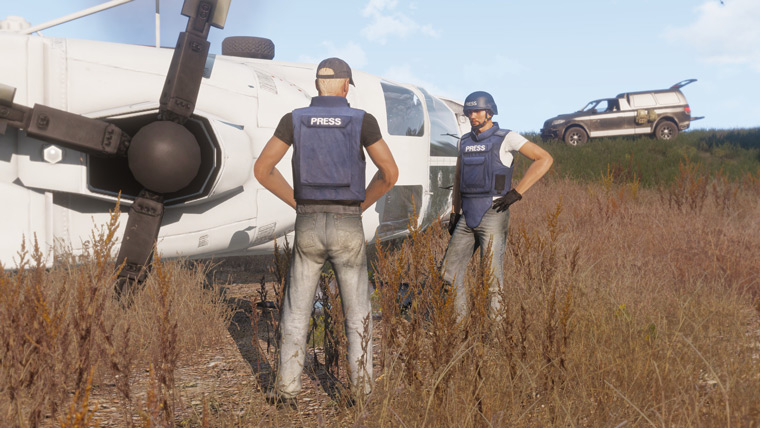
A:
444, 132
404, 110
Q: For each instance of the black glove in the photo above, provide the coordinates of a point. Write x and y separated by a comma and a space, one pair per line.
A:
453, 220
502, 204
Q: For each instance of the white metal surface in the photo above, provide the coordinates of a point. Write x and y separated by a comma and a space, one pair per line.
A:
242, 99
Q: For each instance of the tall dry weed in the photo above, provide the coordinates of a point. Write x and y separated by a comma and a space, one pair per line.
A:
62, 332
640, 313
333, 324
49, 323
690, 188
32, 339
280, 269
620, 307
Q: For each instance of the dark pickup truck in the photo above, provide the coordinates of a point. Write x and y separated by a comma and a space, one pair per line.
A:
662, 113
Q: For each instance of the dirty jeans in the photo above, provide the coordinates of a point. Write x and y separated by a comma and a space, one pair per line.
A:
493, 229
320, 237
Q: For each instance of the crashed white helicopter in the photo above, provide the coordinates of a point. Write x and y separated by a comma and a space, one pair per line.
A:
82, 121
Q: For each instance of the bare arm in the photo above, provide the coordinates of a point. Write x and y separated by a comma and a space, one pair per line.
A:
385, 177
265, 170
542, 161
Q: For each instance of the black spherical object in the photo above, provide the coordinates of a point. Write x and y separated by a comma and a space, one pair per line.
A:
164, 157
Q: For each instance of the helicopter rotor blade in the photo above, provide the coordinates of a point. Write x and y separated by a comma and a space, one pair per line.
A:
65, 129
183, 80
177, 103
140, 236
99, 138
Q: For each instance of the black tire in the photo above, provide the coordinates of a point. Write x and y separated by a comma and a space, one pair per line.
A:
576, 136
248, 47
666, 130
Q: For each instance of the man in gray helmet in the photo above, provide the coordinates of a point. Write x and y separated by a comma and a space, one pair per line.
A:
483, 193
329, 139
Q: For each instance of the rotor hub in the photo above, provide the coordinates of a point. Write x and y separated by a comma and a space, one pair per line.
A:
164, 157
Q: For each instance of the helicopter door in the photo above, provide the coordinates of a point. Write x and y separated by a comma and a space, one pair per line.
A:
444, 141
405, 116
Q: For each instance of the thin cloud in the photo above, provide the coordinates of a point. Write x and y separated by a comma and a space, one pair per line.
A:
352, 53
497, 67
404, 74
377, 6
386, 21
724, 34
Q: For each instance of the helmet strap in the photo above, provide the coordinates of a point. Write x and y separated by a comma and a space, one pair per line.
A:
488, 119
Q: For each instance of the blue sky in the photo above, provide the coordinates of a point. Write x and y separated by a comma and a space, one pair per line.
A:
538, 59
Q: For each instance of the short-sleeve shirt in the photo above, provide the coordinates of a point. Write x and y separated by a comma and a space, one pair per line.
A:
370, 130
512, 144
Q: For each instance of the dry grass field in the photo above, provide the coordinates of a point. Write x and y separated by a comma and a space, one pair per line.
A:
623, 307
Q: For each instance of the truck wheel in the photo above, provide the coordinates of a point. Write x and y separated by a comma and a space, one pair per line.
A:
248, 47
575, 136
666, 130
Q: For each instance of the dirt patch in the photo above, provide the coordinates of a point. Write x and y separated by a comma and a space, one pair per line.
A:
230, 380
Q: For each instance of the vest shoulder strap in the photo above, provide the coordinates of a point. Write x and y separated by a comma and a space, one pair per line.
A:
502, 132
463, 139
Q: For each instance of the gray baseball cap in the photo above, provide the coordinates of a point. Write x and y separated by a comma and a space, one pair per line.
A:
340, 70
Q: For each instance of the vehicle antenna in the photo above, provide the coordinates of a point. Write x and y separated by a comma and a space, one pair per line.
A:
158, 24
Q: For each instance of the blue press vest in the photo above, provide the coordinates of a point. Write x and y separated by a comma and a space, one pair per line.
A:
327, 151
482, 175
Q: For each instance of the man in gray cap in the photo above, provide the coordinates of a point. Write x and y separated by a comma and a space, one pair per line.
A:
329, 196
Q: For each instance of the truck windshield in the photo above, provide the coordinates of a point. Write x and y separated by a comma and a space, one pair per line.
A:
590, 106
599, 106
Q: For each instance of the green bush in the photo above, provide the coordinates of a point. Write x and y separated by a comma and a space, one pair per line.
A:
731, 153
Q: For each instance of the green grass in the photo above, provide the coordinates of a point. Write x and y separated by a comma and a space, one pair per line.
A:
733, 153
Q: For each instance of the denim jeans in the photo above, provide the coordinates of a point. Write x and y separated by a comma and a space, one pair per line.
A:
493, 229
320, 237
